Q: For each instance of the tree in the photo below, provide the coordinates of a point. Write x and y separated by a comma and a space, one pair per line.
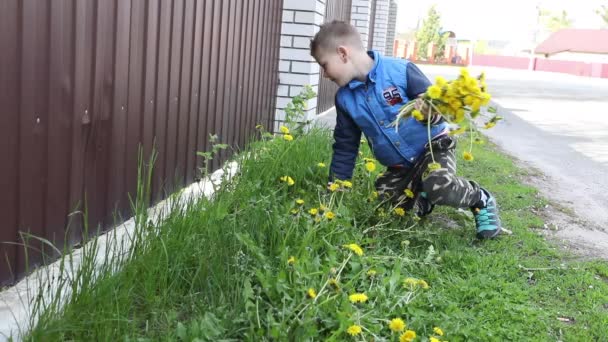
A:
555, 21
603, 13
429, 32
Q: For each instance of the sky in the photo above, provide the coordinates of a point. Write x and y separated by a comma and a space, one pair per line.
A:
512, 20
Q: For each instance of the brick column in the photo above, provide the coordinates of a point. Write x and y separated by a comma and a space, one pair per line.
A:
391, 47
301, 21
380, 26
359, 17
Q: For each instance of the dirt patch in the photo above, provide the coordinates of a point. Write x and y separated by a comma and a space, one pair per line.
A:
564, 226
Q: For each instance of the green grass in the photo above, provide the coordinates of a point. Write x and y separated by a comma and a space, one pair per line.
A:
217, 269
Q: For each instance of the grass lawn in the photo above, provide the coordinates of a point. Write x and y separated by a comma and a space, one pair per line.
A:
254, 264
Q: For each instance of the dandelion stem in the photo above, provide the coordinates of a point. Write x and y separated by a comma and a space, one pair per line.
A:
337, 277
471, 134
428, 127
257, 312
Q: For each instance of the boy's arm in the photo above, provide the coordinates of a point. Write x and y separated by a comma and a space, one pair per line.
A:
347, 136
417, 83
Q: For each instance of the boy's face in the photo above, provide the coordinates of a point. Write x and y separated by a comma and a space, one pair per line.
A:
336, 65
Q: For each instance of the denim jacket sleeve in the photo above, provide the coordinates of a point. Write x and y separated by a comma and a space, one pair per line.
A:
347, 137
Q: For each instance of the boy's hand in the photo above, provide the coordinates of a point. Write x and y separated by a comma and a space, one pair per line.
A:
423, 107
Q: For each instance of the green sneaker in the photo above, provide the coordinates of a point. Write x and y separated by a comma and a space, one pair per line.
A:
487, 220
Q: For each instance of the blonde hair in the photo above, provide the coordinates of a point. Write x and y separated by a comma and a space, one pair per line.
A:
334, 34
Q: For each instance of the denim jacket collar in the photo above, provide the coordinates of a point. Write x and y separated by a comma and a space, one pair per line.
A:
371, 76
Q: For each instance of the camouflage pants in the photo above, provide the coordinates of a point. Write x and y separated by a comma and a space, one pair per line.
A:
441, 187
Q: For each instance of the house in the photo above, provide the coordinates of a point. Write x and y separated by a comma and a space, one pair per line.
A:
582, 45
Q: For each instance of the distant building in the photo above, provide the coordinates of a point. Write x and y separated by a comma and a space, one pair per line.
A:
583, 45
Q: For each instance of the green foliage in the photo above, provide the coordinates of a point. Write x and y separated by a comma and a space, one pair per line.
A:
603, 13
222, 268
555, 21
429, 33
295, 109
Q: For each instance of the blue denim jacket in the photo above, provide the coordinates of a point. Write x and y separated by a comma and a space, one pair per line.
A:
371, 108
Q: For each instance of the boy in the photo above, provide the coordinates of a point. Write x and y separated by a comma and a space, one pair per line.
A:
372, 90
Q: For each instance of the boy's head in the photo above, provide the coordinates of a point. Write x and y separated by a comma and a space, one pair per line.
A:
338, 48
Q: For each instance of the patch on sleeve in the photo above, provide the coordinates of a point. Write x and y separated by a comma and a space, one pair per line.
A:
392, 96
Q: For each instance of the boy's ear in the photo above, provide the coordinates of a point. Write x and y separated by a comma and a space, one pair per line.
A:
343, 53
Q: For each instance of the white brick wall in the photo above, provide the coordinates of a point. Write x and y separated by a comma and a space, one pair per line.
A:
391, 30
359, 17
380, 25
301, 21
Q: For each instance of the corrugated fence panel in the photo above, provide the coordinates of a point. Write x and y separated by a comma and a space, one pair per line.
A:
10, 90
84, 84
334, 10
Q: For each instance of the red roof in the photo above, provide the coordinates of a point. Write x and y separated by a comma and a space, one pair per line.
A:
575, 40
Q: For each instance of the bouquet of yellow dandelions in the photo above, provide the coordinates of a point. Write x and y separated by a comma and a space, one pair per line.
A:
458, 102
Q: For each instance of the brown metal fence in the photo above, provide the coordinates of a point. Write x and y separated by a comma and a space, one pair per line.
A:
334, 10
84, 83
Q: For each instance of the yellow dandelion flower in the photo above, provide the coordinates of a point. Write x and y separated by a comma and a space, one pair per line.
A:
476, 105
438, 331
329, 215
354, 330
417, 115
434, 92
423, 284
410, 282
284, 130
397, 325
467, 156
434, 166
355, 248
371, 273
374, 194
288, 180
399, 212
408, 193
347, 184
334, 186
440, 81
468, 100
407, 336
311, 293
313, 211
288, 137
485, 99
299, 201
434, 339
321, 165
370, 166
358, 298
291, 260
